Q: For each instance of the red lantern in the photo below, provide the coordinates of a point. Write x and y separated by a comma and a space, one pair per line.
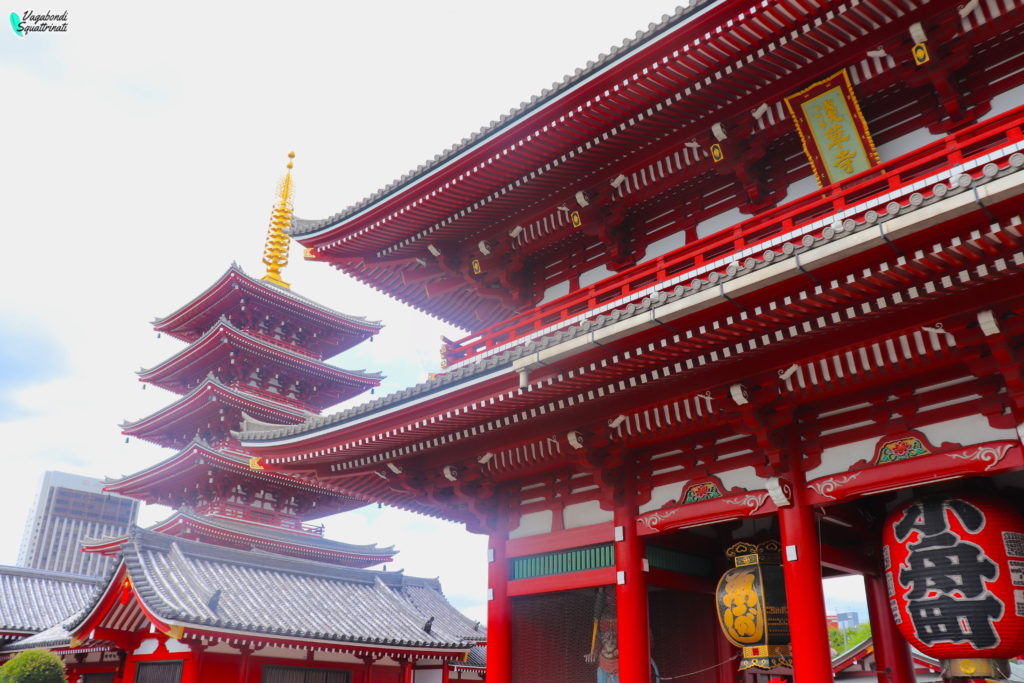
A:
954, 567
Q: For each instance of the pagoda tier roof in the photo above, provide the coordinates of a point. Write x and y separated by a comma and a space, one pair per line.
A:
191, 466
195, 589
176, 424
235, 289
32, 600
248, 535
631, 130
182, 371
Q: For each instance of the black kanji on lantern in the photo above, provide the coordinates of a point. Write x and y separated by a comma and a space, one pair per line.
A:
947, 599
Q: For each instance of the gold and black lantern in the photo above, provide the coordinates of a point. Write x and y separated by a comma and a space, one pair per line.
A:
751, 601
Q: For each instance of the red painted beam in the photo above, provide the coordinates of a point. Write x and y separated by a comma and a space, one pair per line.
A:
562, 582
846, 561
681, 582
561, 540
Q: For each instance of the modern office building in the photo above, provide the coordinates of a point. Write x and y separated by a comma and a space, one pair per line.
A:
69, 508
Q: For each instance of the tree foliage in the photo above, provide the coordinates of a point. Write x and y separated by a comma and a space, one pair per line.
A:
854, 636
33, 666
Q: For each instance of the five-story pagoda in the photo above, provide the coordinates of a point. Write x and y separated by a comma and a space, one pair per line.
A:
255, 357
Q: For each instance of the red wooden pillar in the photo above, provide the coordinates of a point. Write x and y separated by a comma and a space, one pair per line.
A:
446, 672
499, 606
190, 670
891, 650
405, 670
246, 667
631, 594
368, 661
805, 597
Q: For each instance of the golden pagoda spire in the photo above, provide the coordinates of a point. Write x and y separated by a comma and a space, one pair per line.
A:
275, 251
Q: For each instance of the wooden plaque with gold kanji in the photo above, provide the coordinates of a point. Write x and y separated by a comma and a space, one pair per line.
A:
834, 133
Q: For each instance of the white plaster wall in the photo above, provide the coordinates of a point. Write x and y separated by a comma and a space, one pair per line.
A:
147, 647
172, 645
555, 291
906, 143
743, 477
532, 524
964, 430
662, 494
281, 652
336, 657
840, 458
720, 221
426, 676
593, 275
799, 188
222, 649
664, 245
585, 514
1008, 100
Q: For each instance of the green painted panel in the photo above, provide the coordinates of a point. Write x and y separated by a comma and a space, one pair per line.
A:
563, 562
680, 562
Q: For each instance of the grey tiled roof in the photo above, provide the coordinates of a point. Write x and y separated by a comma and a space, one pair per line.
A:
569, 81
475, 659
55, 636
203, 585
32, 600
280, 352
284, 536
280, 291
210, 380
261, 531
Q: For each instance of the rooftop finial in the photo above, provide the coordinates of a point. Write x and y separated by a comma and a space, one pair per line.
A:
275, 252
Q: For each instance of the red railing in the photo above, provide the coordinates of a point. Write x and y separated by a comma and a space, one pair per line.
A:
264, 517
875, 189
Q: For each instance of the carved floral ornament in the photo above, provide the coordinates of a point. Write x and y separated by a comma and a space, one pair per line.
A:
891, 465
707, 501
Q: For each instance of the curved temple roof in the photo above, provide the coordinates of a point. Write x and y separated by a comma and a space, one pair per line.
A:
537, 102
32, 600
193, 463
200, 587
481, 234
194, 318
223, 337
272, 539
208, 396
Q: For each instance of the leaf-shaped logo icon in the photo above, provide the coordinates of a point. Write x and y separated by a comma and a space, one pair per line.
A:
16, 24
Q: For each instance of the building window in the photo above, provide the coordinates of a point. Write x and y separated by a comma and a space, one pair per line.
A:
295, 674
158, 672
97, 678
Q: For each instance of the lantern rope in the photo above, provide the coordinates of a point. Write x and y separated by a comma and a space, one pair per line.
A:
700, 671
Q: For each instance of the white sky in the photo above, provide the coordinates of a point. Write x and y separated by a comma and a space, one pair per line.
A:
142, 149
